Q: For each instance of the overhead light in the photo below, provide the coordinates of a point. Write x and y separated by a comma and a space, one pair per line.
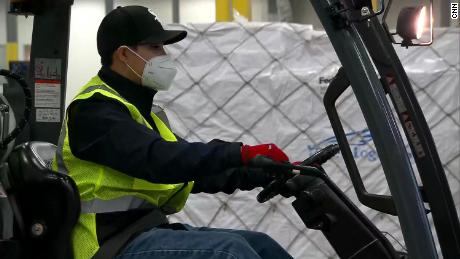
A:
412, 23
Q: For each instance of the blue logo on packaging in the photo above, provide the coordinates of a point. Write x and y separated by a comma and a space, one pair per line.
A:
359, 141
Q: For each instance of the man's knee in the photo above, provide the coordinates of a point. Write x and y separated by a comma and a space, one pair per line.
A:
236, 245
232, 240
264, 245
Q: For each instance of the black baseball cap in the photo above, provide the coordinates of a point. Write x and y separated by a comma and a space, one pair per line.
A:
133, 25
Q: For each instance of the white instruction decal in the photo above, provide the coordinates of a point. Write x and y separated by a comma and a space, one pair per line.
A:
48, 115
48, 93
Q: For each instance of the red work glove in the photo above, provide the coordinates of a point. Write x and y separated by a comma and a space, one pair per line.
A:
268, 150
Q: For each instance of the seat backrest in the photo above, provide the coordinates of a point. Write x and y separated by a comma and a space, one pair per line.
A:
46, 204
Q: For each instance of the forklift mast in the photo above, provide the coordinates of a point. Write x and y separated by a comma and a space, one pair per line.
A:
373, 70
48, 64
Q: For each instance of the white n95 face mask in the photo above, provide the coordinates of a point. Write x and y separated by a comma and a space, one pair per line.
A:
159, 72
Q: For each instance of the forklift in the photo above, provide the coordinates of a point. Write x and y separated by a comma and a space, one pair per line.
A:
39, 207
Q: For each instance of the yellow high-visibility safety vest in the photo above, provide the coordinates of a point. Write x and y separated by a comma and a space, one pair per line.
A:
103, 189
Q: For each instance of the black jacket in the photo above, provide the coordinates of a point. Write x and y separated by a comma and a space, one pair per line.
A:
102, 130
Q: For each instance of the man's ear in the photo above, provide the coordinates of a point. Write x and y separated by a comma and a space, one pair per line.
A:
121, 54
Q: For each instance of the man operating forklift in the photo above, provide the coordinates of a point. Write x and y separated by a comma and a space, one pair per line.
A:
132, 170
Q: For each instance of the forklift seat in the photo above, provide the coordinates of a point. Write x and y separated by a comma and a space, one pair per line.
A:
46, 204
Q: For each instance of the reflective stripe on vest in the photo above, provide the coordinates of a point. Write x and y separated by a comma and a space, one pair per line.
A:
59, 157
121, 204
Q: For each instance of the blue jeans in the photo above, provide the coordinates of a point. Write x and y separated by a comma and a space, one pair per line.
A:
194, 243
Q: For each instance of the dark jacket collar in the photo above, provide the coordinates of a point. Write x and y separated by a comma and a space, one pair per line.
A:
138, 95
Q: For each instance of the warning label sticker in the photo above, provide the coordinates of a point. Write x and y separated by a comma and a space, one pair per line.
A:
48, 68
48, 115
48, 93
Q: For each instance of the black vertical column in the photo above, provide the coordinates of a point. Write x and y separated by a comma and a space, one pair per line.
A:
48, 71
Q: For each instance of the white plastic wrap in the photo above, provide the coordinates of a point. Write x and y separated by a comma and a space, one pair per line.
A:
264, 82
